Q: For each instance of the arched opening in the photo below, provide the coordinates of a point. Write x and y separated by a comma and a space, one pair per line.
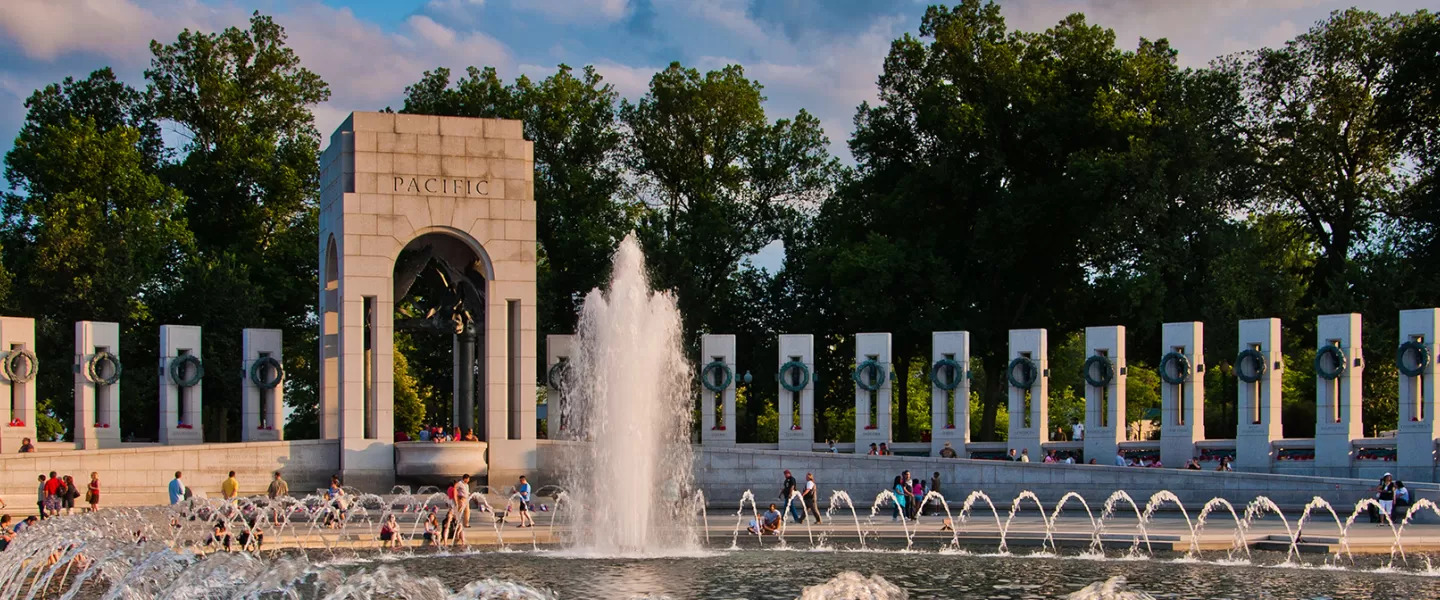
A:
330, 343
440, 313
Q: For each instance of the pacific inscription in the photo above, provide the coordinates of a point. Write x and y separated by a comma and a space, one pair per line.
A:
442, 186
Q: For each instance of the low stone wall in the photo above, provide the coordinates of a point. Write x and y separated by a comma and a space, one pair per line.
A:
726, 473
132, 476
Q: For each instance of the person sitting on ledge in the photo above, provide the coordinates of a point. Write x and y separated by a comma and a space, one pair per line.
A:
1049, 458
884, 449
1193, 465
947, 451
1120, 460
26, 446
1224, 464
432, 529
873, 450
470, 436
387, 532
769, 522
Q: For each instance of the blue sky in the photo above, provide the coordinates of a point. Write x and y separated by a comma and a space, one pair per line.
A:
821, 55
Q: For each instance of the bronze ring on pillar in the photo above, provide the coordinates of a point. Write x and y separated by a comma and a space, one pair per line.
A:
96, 366
1337, 358
1105, 368
558, 377
797, 383
874, 380
957, 374
177, 370
1257, 365
32, 365
1422, 358
1029, 373
1182, 368
716, 376
257, 372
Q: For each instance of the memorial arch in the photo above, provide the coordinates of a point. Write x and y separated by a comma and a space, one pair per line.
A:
442, 206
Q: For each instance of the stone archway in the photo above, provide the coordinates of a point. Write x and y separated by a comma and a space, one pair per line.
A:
395, 182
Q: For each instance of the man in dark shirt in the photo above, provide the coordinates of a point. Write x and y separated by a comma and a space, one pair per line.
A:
788, 489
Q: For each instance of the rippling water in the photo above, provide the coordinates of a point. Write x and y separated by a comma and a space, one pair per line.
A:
786, 574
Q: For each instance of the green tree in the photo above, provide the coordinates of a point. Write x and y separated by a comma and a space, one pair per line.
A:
979, 134
409, 408
1326, 154
92, 234
719, 180
250, 175
1142, 392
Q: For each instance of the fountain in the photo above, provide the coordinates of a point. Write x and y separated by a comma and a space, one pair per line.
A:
629, 482
628, 493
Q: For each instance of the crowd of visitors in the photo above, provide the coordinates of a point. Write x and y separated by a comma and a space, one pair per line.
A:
439, 434
53, 494
57, 493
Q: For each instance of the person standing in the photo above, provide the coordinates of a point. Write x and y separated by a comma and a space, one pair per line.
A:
40, 496
524, 490
230, 488
278, 487
935, 482
68, 494
177, 489
53, 488
898, 489
907, 488
787, 492
92, 491
1077, 431
462, 500
811, 496
1385, 493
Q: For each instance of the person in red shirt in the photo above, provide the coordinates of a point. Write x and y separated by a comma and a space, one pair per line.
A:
53, 486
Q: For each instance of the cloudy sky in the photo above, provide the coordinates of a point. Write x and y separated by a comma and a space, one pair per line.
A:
821, 55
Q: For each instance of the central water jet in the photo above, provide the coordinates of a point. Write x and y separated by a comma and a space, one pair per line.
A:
629, 476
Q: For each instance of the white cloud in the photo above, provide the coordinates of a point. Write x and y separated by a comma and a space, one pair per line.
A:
366, 67
577, 11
